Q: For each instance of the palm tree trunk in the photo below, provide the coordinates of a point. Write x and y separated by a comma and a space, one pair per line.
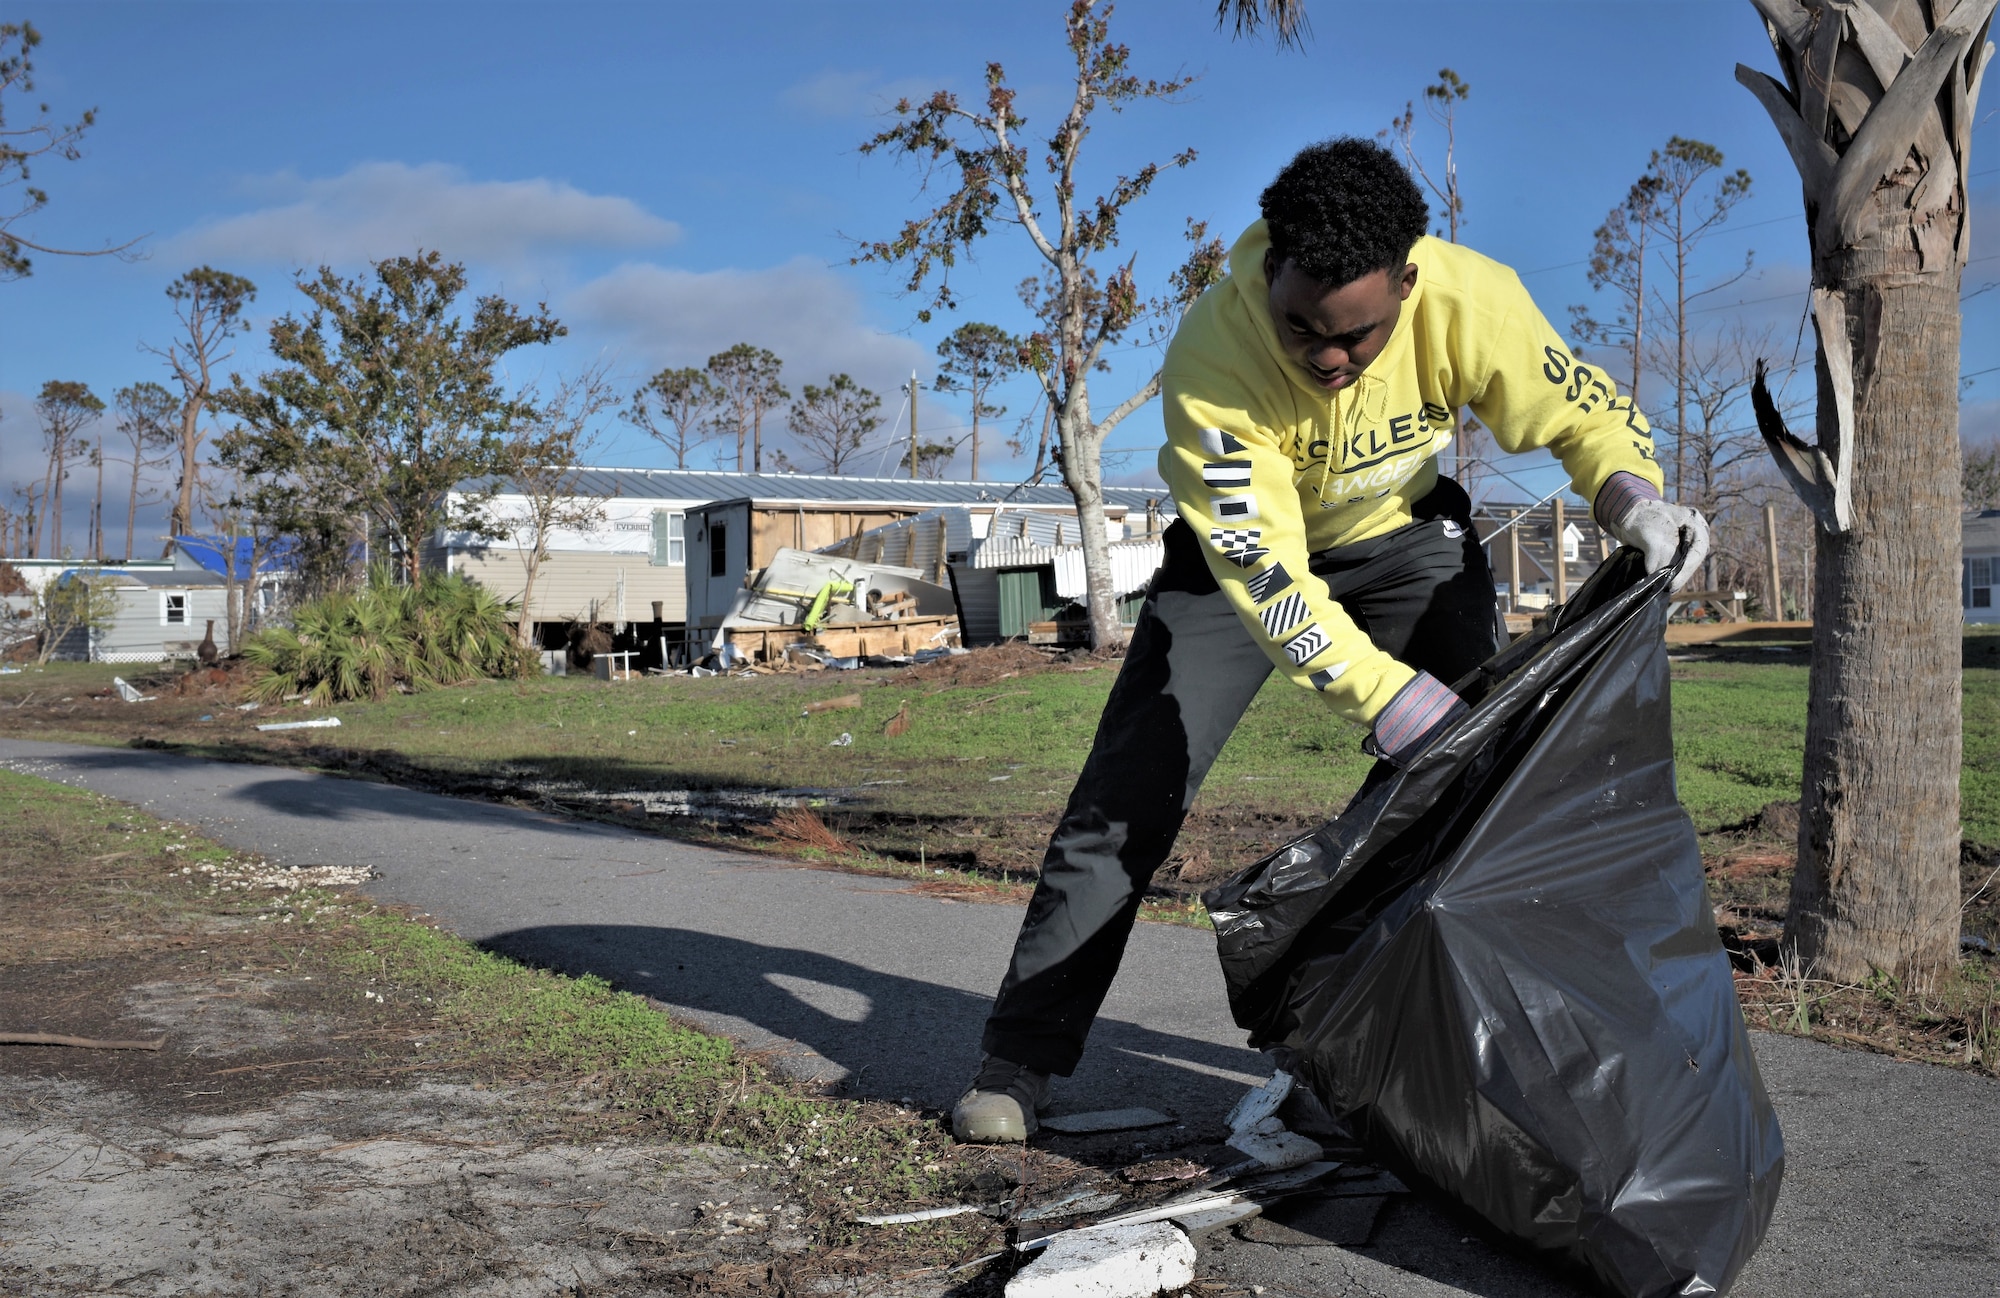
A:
1876, 111
1877, 880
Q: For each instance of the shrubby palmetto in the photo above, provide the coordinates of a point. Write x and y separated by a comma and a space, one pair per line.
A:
384, 636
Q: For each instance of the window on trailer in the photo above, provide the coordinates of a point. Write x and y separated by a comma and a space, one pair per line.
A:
669, 538
174, 609
1979, 581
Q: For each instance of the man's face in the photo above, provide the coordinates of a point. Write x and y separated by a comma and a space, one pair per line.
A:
1335, 331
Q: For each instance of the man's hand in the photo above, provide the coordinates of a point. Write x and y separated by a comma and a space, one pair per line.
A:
1421, 711
1633, 512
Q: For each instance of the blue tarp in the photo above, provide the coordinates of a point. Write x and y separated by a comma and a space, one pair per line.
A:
212, 553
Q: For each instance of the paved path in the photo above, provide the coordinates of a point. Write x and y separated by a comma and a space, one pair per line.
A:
1893, 1173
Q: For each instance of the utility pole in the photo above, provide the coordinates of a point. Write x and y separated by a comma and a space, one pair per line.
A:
1771, 552
913, 423
1514, 564
1562, 555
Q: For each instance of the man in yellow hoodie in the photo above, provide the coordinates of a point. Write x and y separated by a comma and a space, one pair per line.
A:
1307, 397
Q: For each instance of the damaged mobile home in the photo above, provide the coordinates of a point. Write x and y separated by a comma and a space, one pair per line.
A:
928, 578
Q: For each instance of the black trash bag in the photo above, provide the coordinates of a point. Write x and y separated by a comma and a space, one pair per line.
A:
1500, 965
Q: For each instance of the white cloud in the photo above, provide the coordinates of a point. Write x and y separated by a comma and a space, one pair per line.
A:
837, 93
383, 209
809, 316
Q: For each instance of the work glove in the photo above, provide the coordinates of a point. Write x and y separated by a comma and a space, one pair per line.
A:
1421, 711
1632, 510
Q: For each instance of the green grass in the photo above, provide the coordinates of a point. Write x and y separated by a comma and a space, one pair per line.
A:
983, 770
106, 880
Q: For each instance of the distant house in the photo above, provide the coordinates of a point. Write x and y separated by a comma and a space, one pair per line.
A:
155, 616
664, 540
1522, 550
1979, 575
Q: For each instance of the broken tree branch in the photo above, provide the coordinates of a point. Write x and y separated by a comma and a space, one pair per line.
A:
79, 1043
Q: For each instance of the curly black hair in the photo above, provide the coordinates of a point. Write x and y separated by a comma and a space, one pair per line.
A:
1343, 208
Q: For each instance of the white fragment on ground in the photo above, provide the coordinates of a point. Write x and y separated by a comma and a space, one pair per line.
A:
126, 692
922, 1214
1278, 1151
1105, 1120
1108, 1262
1260, 1103
317, 723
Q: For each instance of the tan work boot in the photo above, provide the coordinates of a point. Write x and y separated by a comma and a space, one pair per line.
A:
1002, 1104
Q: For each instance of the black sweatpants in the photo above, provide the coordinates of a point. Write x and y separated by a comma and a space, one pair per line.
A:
1422, 593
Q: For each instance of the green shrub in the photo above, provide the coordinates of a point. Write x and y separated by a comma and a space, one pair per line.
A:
384, 636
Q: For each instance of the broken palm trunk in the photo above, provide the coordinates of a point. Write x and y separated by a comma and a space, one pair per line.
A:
1498, 965
837, 607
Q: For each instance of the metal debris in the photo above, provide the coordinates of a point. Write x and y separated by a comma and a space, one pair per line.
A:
1079, 1204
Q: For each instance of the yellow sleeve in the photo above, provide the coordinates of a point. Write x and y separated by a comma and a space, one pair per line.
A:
1233, 486
1536, 393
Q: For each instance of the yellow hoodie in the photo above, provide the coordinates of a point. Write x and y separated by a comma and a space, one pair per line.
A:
1267, 467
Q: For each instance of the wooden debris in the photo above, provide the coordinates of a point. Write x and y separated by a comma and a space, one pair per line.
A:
78, 1043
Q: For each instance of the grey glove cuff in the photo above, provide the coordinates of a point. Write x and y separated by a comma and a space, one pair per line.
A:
1619, 495
1420, 712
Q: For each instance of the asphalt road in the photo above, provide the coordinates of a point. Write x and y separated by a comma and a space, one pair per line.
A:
1892, 1183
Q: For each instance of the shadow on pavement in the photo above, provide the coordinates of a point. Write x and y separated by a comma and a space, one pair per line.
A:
883, 1035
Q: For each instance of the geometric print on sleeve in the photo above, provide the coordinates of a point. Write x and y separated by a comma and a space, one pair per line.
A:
1227, 475
1307, 645
1282, 616
1268, 582
1216, 442
1240, 545
1233, 509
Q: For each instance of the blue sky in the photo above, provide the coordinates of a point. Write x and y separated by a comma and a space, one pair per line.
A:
674, 178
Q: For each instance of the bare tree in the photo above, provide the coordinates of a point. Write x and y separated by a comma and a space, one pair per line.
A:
676, 408
94, 455
245, 543
1982, 476
1618, 263
20, 146
209, 304
1876, 110
1441, 101
545, 454
1084, 313
746, 385
146, 413
65, 410
1686, 208
1474, 447
976, 357
832, 423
